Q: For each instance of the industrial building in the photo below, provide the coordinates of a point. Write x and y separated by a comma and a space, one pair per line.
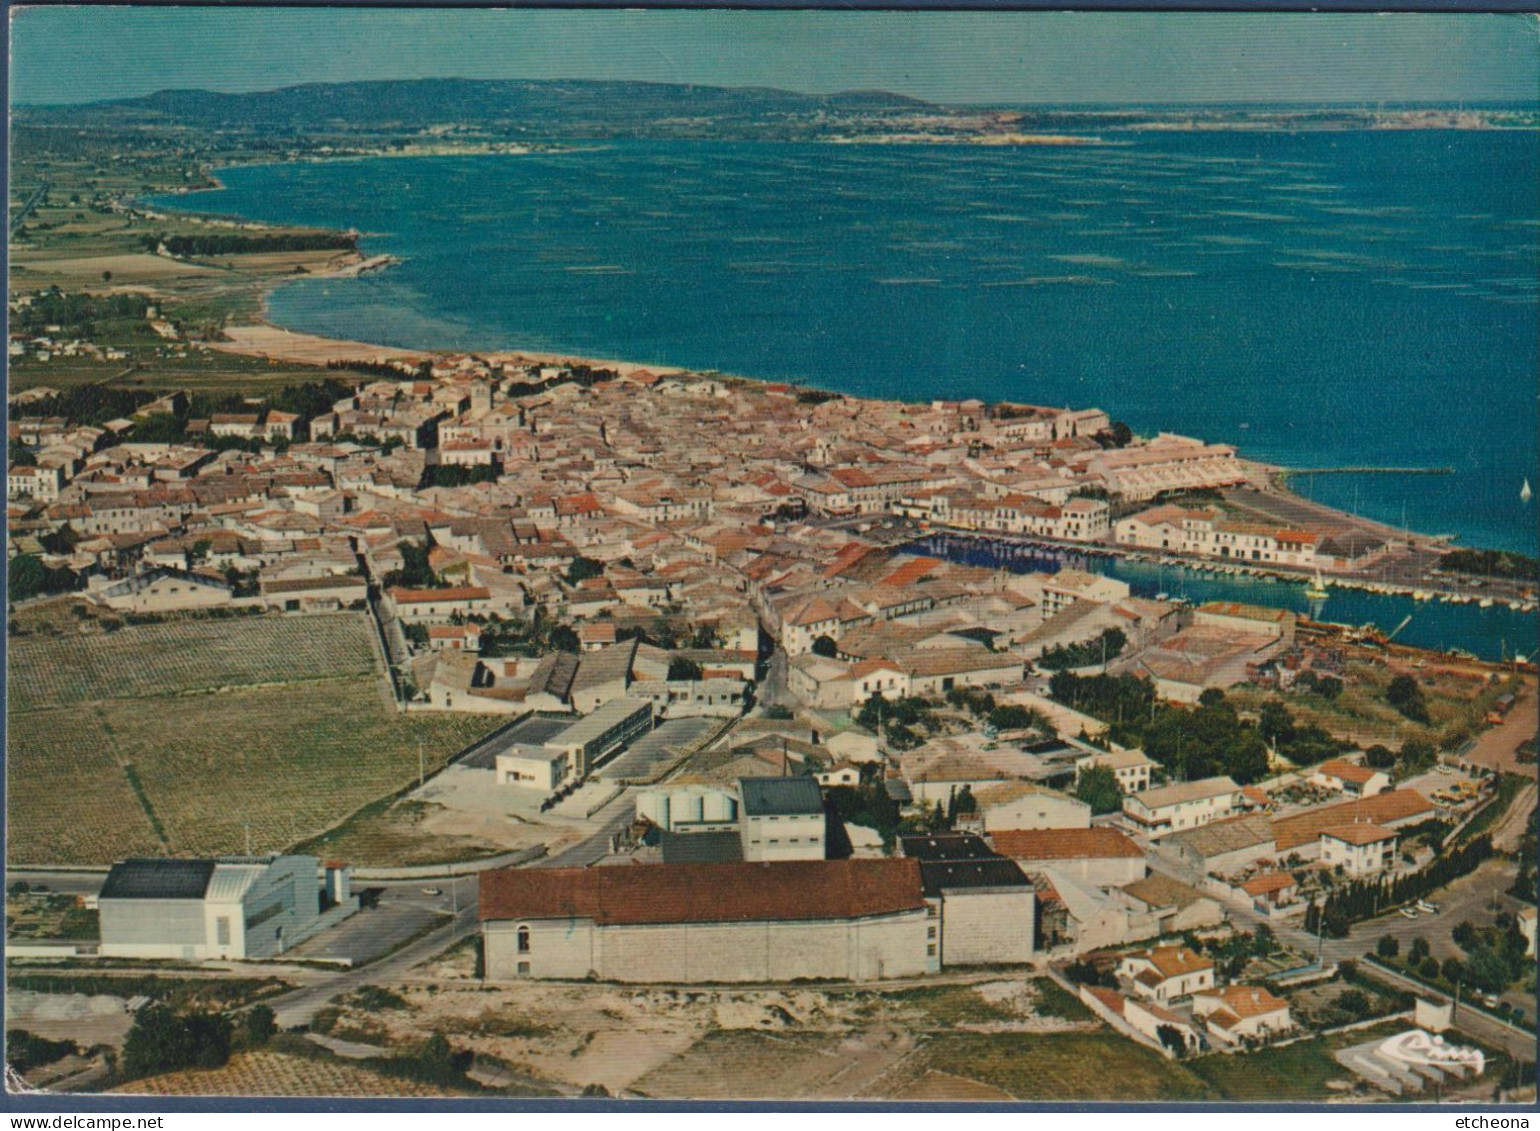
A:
570, 751
782, 818
232, 907
858, 920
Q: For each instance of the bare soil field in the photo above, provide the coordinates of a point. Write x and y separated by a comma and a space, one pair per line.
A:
717, 1043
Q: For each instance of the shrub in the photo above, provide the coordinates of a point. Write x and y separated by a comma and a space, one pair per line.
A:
163, 1041
25, 1051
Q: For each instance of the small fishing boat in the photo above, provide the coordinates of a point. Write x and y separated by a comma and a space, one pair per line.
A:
1525, 494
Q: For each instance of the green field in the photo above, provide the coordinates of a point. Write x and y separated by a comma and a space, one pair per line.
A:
1299, 1071
1096, 1065
136, 752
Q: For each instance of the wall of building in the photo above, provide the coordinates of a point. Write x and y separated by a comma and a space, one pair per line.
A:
888, 946
985, 925
153, 928
784, 837
1039, 811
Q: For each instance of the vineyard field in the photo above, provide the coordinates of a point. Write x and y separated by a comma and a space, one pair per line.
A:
264, 1073
206, 738
185, 656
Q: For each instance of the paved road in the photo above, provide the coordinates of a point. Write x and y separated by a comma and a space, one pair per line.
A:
299, 1006
1498, 747
772, 689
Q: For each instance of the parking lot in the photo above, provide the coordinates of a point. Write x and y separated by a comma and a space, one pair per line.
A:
393, 915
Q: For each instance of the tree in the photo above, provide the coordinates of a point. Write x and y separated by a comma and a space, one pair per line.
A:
200, 550
1013, 717
1417, 754
1098, 788
1387, 947
581, 569
1276, 724
1355, 1003
1419, 949
825, 646
1380, 757
26, 576
680, 667
564, 639
1405, 695
163, 1041
1172, 1038
260, 1025
1487, 971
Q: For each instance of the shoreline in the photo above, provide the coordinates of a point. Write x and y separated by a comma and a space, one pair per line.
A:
262, 339
267, 339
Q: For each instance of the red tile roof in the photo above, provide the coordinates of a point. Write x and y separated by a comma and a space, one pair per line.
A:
1099, 842
706, 893
430, 596
1268, 882
1343, 770
1382, 809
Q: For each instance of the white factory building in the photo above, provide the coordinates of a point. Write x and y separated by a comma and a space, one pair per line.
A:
228, 908
571, 753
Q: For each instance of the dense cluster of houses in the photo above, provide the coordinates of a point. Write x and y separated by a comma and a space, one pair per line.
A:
612, 506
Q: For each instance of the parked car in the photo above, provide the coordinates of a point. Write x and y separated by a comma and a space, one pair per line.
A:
1408, 913
432, 891
1426, 907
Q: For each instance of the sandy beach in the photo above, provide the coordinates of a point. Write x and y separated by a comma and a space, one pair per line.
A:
274, 342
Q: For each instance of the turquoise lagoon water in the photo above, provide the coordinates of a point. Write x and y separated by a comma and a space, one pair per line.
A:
1495, 633
1318, 299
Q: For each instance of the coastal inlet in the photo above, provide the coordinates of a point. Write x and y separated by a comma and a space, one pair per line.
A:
1495, 633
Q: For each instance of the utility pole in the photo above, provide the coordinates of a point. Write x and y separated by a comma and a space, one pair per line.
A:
420, 777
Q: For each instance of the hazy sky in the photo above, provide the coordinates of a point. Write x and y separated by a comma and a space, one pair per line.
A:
84, 54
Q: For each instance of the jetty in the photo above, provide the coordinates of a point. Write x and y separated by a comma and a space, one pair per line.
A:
1287, 472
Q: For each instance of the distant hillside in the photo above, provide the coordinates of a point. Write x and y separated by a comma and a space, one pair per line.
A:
498, 106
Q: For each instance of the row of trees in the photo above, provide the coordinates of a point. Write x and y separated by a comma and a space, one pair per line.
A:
1107, 646
1193, 742
1364, 899
220, 243
79, 314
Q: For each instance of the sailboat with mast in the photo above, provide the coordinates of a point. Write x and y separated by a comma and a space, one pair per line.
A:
1316, 590
1525, 494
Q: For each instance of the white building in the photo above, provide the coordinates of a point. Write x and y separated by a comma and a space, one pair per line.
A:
856, 920
1350, 778
1131, 768
1361, 850
572, 753
1237, 1014
229, 908
782, 819
1185, 805
689, 806
1165, 973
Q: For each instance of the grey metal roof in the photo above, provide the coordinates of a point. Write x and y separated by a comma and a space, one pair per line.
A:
781, 797
938, 876
158, 879
701, 848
